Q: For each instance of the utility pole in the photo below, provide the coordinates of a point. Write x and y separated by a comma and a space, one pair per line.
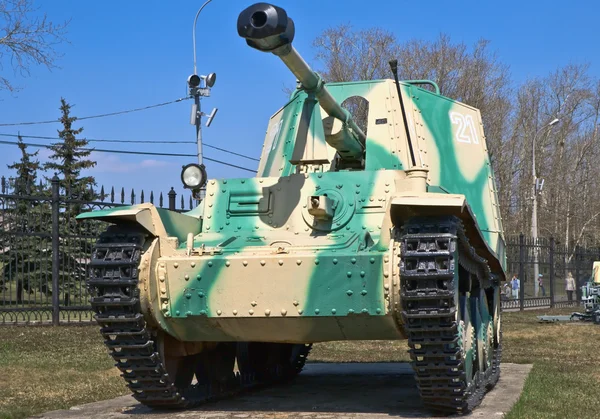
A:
535, 190
193, 175
197, 90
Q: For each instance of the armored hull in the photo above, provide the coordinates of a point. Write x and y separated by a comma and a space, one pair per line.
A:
386, 231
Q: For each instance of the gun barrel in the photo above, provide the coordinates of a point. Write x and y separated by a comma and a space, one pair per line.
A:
268, 28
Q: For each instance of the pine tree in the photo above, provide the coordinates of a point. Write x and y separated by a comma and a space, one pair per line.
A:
70, 159
26, 228
26, 170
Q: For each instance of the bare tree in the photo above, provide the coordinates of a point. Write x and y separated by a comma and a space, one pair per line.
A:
349, 55
26, 38
566, 156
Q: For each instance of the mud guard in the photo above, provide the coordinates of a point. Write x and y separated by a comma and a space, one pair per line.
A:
407, 205
157, 221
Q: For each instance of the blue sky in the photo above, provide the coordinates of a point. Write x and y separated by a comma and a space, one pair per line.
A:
129, 54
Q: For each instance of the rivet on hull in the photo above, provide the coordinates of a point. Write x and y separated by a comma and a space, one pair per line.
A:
280, 262
283, 312
317, 311
267, 312
219, 312
176, 265
296, 303
349, 292
262, 263
253, 303
251, 312
235, 312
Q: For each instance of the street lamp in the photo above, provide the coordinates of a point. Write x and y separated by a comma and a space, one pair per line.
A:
536, 188
194, 175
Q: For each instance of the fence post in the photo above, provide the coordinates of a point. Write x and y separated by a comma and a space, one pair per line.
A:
551, 260
55, 250
521, 271
578, 256
172, 195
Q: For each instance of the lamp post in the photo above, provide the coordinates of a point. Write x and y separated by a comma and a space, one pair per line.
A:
199, 89
194, 175
535, 189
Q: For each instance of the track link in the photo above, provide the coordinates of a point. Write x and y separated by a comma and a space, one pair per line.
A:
133, 344
430, 302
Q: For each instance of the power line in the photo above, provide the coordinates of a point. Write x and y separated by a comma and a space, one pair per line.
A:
135, 142
228, 151
98, 116
146, 153
42, 137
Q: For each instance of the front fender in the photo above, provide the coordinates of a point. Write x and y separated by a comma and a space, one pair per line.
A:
157, 221
411, 204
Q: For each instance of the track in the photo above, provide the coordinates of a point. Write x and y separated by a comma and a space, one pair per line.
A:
135, 347
446, 290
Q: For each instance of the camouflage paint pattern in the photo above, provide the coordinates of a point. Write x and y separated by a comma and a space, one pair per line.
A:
261, 267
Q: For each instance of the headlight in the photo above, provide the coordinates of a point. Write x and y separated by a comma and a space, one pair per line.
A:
193, 176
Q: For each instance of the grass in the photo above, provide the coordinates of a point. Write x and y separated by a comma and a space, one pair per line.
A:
565, 378
47, 368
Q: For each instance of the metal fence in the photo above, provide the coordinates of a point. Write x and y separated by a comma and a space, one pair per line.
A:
44, 255
554, 262
45, 252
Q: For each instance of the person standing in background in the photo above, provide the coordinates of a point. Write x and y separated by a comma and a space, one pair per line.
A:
541, 284
515, 284
570, 286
